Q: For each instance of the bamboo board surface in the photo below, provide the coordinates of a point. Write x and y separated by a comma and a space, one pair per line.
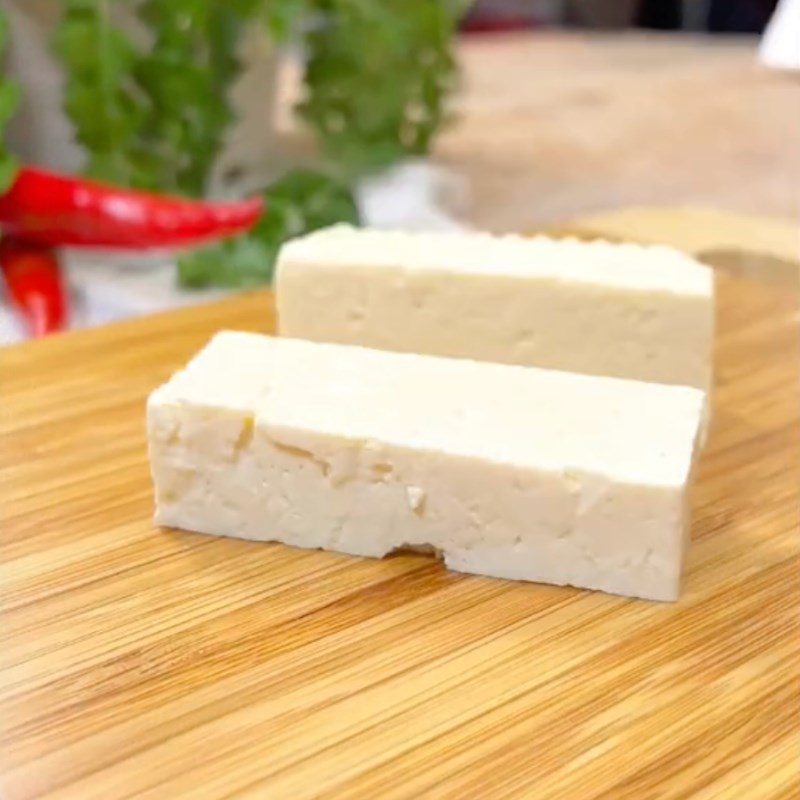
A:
162, 664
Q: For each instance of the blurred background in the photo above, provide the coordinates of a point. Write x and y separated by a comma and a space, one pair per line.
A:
747, 16
499, 114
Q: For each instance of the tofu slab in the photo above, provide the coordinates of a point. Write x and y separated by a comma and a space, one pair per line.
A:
508, 471
645, 313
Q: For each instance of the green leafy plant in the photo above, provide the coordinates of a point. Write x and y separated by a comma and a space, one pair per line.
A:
153, 114
9, 97
376, 78
151, 117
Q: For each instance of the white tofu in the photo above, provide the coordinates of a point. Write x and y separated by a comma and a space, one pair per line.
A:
645, 313
508, 471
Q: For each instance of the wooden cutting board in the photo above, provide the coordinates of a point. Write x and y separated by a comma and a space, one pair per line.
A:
159, 664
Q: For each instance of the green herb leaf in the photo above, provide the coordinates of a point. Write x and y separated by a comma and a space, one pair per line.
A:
100, 95
283, 18
240, 262
298, 203
9, 99
152, 117
376, 81
186, 75
377, 78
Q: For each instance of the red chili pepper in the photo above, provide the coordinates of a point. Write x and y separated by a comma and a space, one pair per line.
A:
34, 282
51, 209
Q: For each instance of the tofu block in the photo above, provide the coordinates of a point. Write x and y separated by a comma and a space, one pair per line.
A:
509, 471
645, 313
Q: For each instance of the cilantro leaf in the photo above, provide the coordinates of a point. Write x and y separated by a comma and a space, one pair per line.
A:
376, 81
185, 76
152, 117
9, 98
100, 95
377, 78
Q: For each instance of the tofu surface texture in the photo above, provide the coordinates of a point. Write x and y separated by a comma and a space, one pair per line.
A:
629, 311
508, 471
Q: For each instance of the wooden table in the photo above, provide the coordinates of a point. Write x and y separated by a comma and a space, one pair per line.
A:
161, 664
552, 125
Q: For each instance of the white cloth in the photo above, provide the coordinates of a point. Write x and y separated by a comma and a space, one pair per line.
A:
780, 45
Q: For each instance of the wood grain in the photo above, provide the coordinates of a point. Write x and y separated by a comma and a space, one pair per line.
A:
159, 664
